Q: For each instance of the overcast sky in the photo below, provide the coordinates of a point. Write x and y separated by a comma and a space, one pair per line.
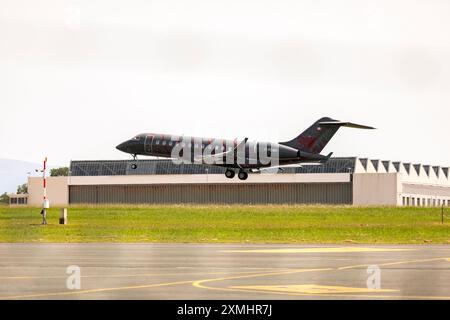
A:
79, 77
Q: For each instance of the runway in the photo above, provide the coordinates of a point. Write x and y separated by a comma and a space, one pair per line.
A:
223, 271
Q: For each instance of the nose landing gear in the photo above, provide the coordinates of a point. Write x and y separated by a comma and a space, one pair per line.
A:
134, 165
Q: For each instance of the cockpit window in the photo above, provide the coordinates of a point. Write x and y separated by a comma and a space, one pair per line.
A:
137, 138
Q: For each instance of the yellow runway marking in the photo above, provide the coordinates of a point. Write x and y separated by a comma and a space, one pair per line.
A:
340, 296
330, 295
201, 284
319, 250
121, 275
390, 263
313, 289
67, 293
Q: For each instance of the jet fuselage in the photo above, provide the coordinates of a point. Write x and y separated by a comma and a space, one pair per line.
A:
255, 155
243, 156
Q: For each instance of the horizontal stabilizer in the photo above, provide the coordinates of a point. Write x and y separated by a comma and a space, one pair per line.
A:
327, 158
345, 124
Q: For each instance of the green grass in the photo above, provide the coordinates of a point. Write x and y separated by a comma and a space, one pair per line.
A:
228, 224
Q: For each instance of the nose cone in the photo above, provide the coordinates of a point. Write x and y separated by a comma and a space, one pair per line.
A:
123, 147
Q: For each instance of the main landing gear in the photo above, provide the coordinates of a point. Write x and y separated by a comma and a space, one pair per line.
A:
229, 174
134, 165
242, 175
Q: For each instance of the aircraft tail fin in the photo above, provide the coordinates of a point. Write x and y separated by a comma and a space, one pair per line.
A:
315, 138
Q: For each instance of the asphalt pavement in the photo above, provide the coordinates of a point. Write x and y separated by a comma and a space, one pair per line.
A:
223, 271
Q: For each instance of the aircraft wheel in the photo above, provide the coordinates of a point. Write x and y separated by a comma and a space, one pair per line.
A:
242, 175
134, 166
230, 174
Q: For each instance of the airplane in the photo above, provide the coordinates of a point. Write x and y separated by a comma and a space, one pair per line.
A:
242, 157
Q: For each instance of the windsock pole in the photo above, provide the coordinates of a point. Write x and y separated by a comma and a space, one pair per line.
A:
45, 180
45, 204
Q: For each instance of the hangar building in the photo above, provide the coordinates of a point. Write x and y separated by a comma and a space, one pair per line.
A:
345, 181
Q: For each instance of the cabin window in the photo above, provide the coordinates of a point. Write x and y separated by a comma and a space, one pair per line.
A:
170, 143
157, 142
164, 142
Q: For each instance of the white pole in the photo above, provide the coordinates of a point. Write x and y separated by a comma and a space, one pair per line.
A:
45, 180
45, 204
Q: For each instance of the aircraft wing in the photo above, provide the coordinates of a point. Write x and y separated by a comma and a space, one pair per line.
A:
224, 154
282, 167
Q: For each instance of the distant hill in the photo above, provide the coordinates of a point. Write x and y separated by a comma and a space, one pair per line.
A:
15, 172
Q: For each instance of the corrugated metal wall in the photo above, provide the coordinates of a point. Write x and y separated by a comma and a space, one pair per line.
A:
312, 193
